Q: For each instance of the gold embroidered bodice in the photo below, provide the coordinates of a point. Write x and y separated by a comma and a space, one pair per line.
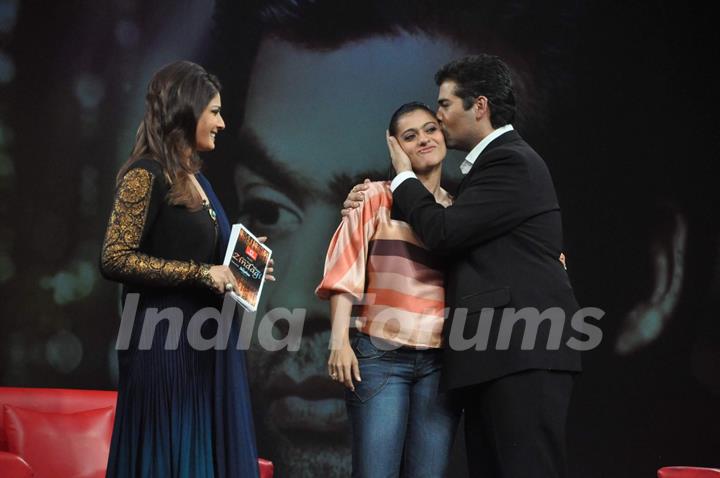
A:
121, 258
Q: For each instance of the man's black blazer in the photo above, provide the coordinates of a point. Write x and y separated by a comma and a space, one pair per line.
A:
502, 238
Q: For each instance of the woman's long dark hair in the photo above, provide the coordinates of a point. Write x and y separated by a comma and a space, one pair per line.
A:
405, 109
176, 97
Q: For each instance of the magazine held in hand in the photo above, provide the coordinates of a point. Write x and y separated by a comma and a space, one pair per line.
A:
248, 259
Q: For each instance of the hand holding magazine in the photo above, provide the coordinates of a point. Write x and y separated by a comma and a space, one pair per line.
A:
248, 260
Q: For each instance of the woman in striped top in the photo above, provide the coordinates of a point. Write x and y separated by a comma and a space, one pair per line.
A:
377, 270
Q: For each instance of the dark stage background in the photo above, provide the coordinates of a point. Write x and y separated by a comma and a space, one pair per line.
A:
618, 98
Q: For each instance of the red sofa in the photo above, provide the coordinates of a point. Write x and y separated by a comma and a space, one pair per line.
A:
687, 472
56, 430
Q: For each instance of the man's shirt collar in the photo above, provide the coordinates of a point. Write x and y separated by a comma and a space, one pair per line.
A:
480, 147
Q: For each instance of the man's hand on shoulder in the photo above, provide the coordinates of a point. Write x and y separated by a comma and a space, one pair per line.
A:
355, 197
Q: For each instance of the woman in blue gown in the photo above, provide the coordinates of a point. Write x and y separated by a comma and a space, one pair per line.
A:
183, 408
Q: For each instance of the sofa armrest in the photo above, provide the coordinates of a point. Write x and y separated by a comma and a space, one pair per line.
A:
266, 468
12, 466
687, 472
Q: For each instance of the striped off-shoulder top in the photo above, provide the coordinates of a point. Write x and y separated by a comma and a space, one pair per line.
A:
385, 267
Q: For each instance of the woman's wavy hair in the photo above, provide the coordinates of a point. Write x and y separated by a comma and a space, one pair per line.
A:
176, 97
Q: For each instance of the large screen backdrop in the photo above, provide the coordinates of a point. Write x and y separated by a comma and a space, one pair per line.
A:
617, 99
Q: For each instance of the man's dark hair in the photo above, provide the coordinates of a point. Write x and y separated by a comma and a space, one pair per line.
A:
482, 75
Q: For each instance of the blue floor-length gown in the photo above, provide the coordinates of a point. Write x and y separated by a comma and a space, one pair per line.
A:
182, 412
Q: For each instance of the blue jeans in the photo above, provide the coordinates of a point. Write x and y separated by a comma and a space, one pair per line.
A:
401, 422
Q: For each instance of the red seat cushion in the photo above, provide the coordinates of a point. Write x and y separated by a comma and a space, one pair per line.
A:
12, 466
72, 445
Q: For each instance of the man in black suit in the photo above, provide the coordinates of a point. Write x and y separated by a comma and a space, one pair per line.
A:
507, 337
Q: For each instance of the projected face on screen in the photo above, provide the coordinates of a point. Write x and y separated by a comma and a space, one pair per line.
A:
314, 126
